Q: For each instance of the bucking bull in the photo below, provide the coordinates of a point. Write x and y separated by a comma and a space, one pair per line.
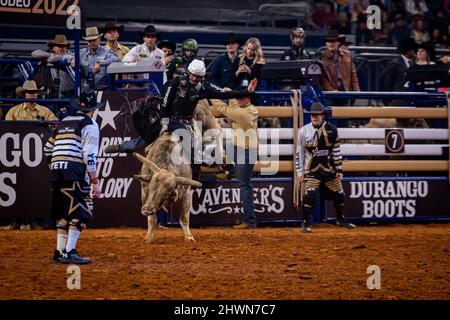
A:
165, 184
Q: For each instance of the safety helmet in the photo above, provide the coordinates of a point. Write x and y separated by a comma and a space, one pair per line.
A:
197, 67
297, 32
190, 44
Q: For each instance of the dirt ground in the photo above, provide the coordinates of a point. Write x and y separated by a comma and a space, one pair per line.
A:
224, 263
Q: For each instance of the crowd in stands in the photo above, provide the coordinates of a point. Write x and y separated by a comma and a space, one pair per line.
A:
424, 20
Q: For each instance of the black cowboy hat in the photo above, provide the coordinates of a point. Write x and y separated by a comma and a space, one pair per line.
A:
231, 38
150, 29
406, 45
111, 25
316, 108
167, 44
86, 102
332, 35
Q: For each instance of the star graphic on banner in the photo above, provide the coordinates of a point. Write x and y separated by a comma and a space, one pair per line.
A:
107, 116
237, 209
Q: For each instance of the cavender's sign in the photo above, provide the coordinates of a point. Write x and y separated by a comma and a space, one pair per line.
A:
39, 12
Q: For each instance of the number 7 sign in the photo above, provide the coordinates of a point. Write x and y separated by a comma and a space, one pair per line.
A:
394, 141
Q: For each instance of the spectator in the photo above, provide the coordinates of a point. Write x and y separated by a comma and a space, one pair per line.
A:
319, 166
297, 50
419, 32
446, 59
94, 60
72, 151
425, 54
178, 66
112, 32
440, 21
340, 71
323, 17
357, 8
436, 38
396, 76
244, 118
61, 63
224, 67
363, 34
400, 30
30, 110
169, 48
447, 34
251, 61
380, 36
342, 25
146, 51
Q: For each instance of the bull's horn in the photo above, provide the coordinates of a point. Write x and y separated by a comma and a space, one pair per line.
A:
143, 177
150, 163
188, 182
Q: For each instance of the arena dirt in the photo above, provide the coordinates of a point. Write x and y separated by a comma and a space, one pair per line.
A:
265, 263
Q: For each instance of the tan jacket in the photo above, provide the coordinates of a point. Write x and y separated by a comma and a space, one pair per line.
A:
21, 112
244, 123
121, 50
329, 79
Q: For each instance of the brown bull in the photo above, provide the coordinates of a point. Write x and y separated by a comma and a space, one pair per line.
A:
165, 184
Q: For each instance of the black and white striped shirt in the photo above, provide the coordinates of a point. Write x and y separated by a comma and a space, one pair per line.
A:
73, 148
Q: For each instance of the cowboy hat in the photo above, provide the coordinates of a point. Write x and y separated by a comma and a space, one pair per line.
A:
231, 38
60, 40
111, 25
407, 44
150, 29
316, 108
86, 102
167, 44
92, 34
28, 86
332, 36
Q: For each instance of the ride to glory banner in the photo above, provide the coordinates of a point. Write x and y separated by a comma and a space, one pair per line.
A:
54, 13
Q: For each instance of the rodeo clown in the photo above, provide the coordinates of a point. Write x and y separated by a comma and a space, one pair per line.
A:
72, 153
319, 166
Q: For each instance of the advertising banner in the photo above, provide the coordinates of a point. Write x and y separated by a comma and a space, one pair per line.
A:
395, 198
54, 13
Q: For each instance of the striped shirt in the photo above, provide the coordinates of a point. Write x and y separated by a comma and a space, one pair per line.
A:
73, 148
319, 150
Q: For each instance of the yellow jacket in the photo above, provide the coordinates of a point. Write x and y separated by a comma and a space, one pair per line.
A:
21, 112
244, 122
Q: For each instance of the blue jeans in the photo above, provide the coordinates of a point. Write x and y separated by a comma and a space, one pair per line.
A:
244, 163
132, 145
